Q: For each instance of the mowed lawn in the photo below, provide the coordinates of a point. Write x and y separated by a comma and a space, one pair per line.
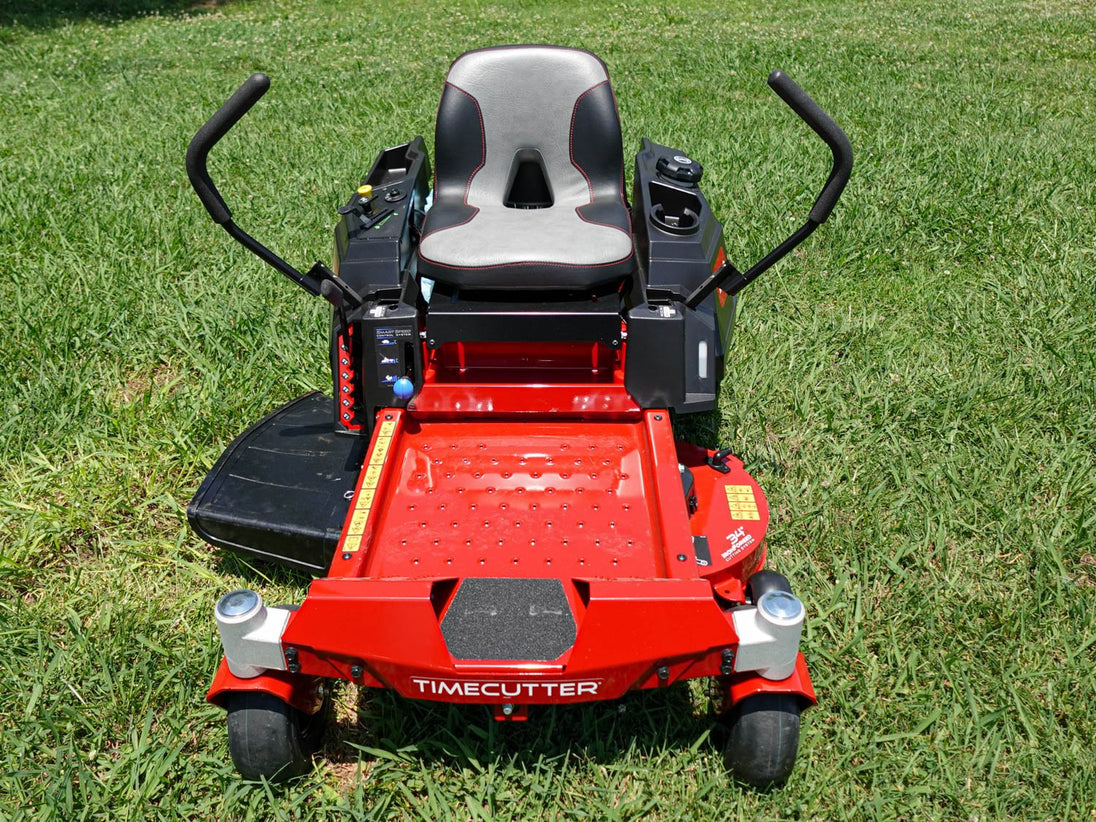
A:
915, 388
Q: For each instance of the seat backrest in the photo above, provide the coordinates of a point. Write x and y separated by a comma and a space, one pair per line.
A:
528, 127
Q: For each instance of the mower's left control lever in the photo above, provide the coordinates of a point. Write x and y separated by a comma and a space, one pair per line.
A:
239, 104
824, 126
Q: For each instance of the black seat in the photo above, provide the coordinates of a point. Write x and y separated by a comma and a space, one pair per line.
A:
529, 176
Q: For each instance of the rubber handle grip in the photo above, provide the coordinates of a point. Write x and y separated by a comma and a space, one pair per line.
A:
216, 127
812, 114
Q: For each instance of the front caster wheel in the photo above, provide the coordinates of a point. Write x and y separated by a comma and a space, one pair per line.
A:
762, 739
269, 739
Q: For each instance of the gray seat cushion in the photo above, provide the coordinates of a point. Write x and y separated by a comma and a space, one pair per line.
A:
529, 182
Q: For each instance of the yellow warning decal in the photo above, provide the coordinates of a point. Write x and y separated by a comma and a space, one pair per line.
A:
372, 475
358, 520
741, 501
364, 503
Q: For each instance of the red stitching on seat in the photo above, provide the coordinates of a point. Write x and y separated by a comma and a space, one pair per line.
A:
468, 183
589, 182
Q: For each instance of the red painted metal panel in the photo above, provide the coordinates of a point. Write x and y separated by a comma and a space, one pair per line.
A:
629, 629
799, 683
733, 514
520, 380
668, 498
565, 499
460, 400
305, 693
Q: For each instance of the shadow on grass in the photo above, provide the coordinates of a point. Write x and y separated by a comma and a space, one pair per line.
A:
462, 737
700, 429
258, 573
46, 14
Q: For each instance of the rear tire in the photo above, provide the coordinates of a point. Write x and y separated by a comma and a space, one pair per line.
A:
762, 739
269, 739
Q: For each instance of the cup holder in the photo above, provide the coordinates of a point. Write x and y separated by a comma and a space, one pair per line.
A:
684, 222
674, 210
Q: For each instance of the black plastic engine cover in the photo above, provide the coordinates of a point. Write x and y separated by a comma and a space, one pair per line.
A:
374, 244
675, 352
677, 236
281, 490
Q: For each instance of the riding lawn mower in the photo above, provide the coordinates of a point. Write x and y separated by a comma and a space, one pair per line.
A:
492, 502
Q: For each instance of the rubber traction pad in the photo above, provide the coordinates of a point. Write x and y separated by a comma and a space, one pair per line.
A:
511, 619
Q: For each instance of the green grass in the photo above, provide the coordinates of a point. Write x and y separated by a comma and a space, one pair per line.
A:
914, 388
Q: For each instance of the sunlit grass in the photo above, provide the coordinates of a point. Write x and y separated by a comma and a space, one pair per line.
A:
914, 388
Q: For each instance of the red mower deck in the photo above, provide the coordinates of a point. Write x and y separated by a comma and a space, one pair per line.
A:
518, 572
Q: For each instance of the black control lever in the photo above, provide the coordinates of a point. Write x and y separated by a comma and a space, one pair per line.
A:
718, 460
337, 299
239, 104
729, 278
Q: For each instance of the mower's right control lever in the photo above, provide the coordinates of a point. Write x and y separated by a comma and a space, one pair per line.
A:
239, 104
729, 278
812, 114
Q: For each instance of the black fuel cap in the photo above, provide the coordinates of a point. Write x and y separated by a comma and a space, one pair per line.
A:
680, 168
